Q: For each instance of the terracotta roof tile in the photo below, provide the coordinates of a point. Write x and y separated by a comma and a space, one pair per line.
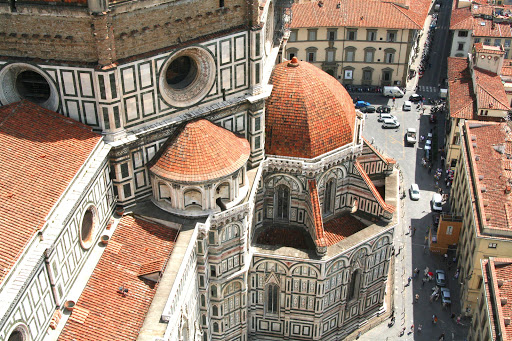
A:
111, 316
488, 49
471, 18
462, 102
496, 270
360, 13
506, 69
308, 112
285, 236
491, 169
490, 91
40, 153
201, 151
341, 227
317, 213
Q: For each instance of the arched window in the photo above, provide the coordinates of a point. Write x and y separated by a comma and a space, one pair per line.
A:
283, 202
272, 298
215, 327
203, 301
214, 291
215, 311
329, 194
193, 199
353, 286
230, 232
204, 320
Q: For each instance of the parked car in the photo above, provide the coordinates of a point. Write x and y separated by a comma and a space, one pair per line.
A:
407, 106
415, 98
414, 192
437, 202
410, 136
368, 109
383, 117
428, 143
390, 123
440, 278
384, 109
361, 104
445, 296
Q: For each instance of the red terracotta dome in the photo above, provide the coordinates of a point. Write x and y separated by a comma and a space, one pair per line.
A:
308, 112
201, 151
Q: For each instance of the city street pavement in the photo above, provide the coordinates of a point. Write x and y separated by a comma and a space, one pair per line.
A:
411, 250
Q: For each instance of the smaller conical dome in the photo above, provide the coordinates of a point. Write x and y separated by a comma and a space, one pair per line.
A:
308, 113
201, 151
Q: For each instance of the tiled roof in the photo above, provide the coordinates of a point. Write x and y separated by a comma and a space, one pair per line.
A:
490, 91
317, 213
470, 18
497, 274
371, 187
308, 112
488, 49
40, 153
110, 315
491, 142
201, 151
506, 69
341, 227
460, 86
360, 13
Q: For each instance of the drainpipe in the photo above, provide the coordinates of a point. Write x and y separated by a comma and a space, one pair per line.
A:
50, 276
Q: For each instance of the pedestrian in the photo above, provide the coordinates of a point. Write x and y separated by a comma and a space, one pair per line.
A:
409, 281
429, 168
373, 140
453, 316
393, 100
424, 246
426, 240
423, 281
420, 326
441, 338
435, 319
458, 319
412, 328
417, 298
446, 258
402, 332
409, 229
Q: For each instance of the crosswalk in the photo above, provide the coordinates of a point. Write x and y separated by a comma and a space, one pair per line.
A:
427, 88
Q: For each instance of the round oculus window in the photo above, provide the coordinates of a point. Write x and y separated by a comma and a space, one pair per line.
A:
87, 227
187, 76
24, 81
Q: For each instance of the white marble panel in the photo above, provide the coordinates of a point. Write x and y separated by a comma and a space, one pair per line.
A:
85, 82
145, 75
131, 108
239, 48
128, 80
240, 75
90, 113
73, 111
226, 78
147, 101
69, 84
225, 49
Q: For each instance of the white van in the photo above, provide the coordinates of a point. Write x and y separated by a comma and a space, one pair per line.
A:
407, 106
392, 91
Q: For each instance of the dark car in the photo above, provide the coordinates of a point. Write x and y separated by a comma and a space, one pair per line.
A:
440, 278
446, 298
415, 98
368, 109
384, 109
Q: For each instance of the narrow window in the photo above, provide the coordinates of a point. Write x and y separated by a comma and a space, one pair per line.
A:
283, 202
272, 298
221, 3
353, 288
328, 197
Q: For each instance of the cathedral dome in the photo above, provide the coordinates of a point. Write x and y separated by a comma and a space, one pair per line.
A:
200, 152
308, 113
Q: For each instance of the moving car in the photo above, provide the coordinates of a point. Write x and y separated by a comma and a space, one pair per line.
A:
361, 104
368, 109
445, 296
440, 278
390, 123
410, 136
414, 192
437, 202
415, 98
384, 109
407, 106
428, 143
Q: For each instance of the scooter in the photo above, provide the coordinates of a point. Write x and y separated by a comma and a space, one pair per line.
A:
392, 322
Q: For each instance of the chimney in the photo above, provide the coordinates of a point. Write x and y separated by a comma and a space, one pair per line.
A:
506, 320
500, 283
503, 301
508, 189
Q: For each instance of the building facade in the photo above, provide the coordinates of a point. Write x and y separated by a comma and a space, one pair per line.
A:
358, 42
233, 219
480, 22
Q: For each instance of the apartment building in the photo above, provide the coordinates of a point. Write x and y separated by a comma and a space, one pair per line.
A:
358, 42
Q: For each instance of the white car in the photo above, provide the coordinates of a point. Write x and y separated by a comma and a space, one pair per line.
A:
390, 123
437, 202
414, 192
428, 143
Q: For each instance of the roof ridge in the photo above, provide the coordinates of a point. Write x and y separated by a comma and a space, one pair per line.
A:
371, 187
317, 214
490, 94
402, 10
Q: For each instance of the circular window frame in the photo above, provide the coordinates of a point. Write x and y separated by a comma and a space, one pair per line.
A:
199, 87
8, 89
87, 243
23, 329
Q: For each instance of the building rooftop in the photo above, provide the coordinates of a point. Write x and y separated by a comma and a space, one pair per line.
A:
410, 14
479, 18
341, 227
497, 274
308, 113
489, 49
102, 312
490, 147
201, 151
490, 91
40, 154
460, 86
